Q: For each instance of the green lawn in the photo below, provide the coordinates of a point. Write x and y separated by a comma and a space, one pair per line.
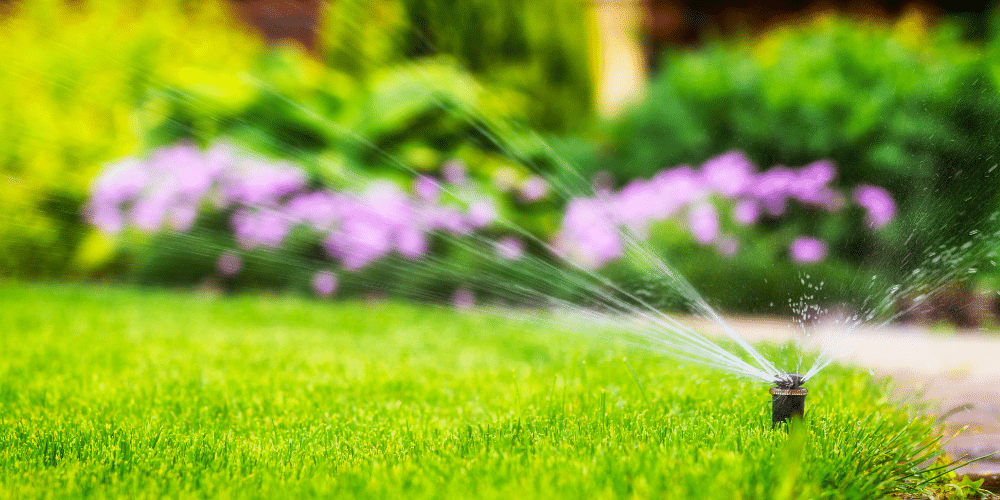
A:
110, 392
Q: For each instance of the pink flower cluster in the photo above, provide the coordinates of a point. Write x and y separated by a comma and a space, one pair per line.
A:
267, 200
591, 230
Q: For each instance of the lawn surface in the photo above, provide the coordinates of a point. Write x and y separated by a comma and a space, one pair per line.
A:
109, 392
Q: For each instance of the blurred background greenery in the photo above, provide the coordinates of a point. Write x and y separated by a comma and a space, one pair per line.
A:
358, 90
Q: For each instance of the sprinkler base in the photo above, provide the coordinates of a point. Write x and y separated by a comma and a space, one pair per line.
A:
787, 403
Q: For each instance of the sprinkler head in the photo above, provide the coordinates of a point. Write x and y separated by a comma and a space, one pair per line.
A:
789, 381
788, 398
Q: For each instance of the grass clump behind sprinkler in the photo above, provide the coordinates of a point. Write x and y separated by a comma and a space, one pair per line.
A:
115, 393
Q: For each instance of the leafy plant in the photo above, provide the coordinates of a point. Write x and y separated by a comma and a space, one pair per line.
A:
72, 73
909, 107
530, 48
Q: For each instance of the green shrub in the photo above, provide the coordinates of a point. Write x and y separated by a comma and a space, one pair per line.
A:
538, 50
401, 122
72, 72
907, 107
345, 131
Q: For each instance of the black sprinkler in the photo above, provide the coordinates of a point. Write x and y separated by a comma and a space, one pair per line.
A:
788, 398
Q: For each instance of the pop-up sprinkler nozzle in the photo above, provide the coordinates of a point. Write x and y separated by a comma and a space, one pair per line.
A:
788, 398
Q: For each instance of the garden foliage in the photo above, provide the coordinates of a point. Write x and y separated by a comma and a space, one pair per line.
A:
72, 75
198, 215
416, 120
207, 210
910, 107
94, 81
539, 51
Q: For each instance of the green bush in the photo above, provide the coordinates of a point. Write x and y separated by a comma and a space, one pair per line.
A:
405, 121
348, 124
538, 50
72, 73
906, 107
401, 122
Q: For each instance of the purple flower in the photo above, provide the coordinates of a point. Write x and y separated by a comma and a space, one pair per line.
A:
324, 283
728, 174
447, 219
359, 241
674, 188
812, 184
454, 172
259, 228
176, 176
229, 264
510, 248
807, 250
463, 299
746, 212
321, 210
259, 183
108, 219
772, 189
426, 188
183, 156
589, 235
220, 157
388, 203
412, 242
877, 202
703, 221
641, 202
167, 186
148, 212
182, 216
120, 182
482, 213
637, 204
534, 188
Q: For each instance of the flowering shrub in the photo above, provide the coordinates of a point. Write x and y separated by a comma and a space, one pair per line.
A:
266, 201
272, 205
909, 106
591, 228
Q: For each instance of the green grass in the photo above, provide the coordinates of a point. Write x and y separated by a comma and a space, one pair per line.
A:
109, 392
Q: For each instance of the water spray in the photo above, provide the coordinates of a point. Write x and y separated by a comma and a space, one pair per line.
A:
788, 398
